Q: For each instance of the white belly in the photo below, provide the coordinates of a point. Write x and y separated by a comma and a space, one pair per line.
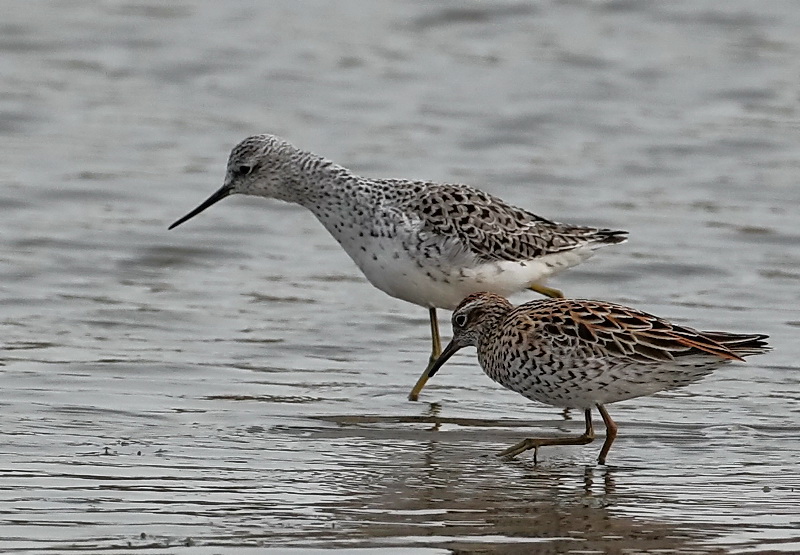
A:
444, 282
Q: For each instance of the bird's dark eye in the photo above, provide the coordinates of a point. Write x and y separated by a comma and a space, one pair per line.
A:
460, 320
243, 170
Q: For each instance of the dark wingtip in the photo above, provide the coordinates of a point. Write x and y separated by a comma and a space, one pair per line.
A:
755, 345
611, 236
742, 345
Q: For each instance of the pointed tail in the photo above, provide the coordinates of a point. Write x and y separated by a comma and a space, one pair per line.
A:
742, 345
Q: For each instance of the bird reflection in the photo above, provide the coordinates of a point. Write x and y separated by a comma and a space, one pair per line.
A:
589, 478
433, 412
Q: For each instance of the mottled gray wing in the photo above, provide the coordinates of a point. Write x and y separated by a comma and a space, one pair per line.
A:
491, 229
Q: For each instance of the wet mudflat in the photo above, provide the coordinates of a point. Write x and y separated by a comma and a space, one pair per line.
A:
235, 384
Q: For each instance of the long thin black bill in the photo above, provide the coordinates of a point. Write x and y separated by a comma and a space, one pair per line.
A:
220, 194
431, 370
448, 351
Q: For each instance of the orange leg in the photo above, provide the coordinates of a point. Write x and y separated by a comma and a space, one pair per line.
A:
611, 433
536, 442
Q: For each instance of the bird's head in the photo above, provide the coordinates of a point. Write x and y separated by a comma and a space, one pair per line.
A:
262, 165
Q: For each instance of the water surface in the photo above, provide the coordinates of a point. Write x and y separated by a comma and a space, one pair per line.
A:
236, 384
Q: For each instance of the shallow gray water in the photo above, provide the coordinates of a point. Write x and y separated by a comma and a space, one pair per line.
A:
235, 383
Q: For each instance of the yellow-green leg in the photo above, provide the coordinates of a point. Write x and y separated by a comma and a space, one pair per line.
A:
536, 442
546, 291
436, 350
